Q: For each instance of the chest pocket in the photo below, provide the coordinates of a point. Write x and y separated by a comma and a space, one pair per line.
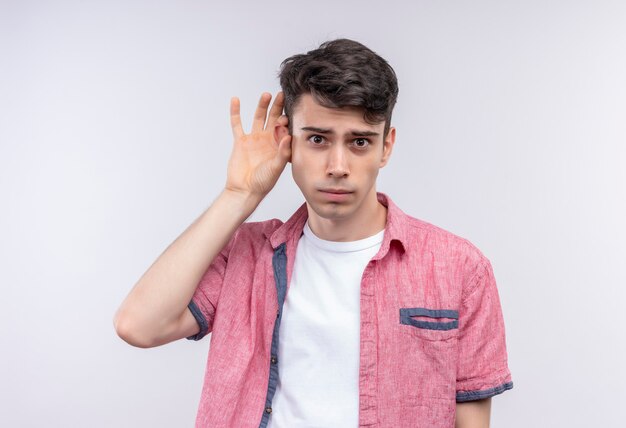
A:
431, 323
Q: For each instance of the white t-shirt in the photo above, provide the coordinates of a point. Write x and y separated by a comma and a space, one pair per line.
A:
318, 347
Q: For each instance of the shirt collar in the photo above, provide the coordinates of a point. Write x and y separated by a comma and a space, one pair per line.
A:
395, 228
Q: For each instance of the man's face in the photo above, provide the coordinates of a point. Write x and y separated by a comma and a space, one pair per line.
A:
336, 150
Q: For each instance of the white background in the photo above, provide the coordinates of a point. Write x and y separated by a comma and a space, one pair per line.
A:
114, 137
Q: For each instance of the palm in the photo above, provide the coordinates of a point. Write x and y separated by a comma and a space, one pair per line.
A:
257, 160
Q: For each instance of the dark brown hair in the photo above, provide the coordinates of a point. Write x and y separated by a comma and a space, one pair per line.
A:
341, 73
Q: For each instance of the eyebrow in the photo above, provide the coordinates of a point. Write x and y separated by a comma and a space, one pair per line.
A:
353, 132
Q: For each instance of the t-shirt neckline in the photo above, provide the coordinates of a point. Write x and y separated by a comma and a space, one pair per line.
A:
343, 246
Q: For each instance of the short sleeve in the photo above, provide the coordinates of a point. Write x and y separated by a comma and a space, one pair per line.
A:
204, 299
482, 369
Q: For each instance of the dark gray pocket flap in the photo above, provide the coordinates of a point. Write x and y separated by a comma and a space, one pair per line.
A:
407, 313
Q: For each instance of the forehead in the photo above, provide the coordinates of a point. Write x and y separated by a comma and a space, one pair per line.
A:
308, 112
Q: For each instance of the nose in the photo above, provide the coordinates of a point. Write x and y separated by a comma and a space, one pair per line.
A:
337, 162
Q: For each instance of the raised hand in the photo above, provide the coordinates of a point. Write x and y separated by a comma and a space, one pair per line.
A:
257, 158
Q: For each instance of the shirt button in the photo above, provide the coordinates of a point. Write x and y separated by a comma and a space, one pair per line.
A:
274, 359
268, 410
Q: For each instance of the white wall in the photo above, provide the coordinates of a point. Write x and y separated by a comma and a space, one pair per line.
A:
114, 137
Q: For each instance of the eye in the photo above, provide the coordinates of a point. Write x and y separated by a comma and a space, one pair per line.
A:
316, 139
361, 142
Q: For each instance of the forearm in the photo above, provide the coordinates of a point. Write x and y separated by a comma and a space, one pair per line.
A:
159, 298
473, 414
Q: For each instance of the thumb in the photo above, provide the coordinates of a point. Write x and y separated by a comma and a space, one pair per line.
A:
284, 149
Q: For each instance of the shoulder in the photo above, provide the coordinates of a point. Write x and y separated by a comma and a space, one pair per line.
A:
436, 237
455, 251
256, 232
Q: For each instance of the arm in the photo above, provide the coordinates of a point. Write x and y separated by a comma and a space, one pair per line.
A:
473, 414
482, 370
155, 311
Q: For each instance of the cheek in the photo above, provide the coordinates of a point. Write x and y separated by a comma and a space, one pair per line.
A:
304, 163
298, 171
375, 168
296, 151
370, 174
371, 167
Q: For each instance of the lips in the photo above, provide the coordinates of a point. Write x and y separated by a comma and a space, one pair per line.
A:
336, 195
338, 191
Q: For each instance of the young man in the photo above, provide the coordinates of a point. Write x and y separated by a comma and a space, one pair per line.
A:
350, 313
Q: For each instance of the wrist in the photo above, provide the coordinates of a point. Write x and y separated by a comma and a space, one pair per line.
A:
241, 202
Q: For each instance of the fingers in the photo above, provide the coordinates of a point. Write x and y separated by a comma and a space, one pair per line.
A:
285, 147
260, 115
282, 120
258, 123
284, 152
277, 109
235, 118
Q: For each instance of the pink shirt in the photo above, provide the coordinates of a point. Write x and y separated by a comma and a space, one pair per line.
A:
432, 332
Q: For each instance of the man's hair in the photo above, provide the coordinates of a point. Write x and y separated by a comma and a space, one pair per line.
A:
341, 73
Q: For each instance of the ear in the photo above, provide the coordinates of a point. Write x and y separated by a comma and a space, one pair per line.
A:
388, 143
280, 130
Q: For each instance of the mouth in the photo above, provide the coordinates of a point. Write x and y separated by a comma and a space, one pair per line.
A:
335, 191
336, 195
